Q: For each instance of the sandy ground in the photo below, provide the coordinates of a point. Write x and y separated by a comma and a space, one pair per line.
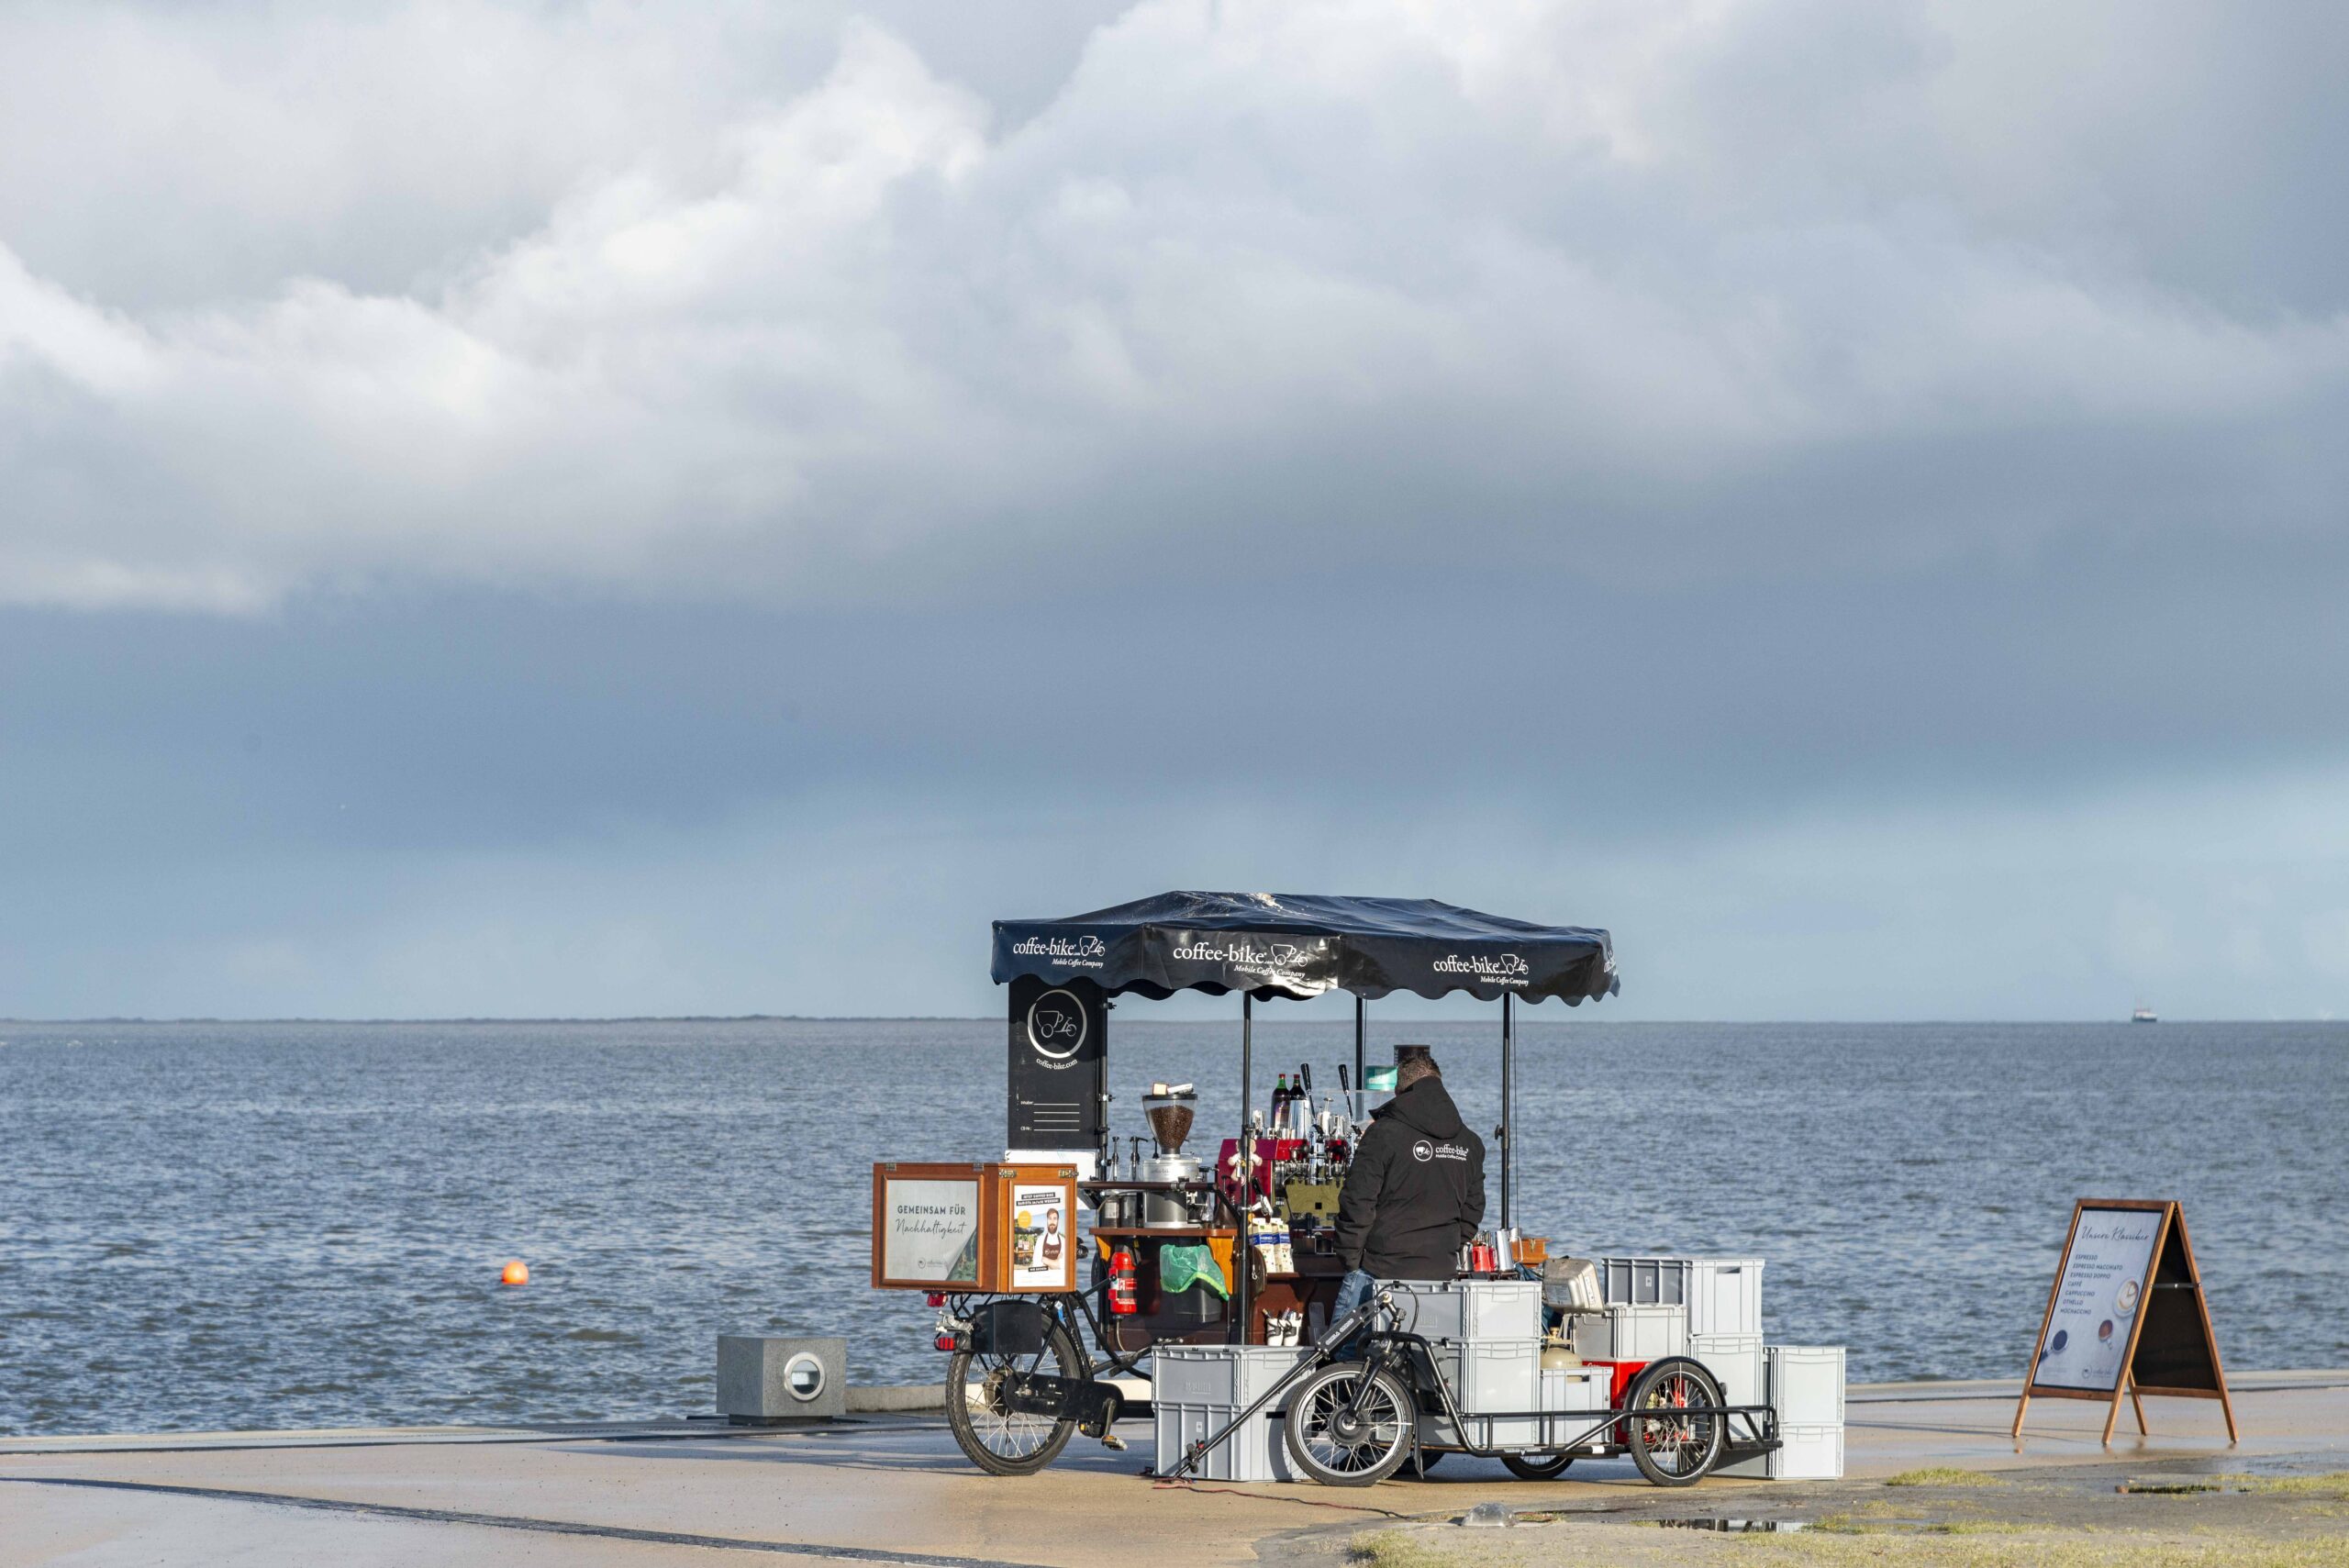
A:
893, 1490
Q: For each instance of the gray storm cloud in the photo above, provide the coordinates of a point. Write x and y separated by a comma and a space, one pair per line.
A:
573, 505
542, 295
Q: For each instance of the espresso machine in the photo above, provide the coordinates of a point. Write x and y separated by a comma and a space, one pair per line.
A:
1171, 1109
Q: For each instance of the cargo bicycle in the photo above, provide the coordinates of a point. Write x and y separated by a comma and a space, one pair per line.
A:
1365, 1395
1368, 1398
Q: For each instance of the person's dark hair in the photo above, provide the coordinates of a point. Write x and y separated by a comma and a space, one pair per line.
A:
1414, 1067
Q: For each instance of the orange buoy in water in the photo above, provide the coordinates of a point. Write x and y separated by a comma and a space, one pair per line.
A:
517, 1273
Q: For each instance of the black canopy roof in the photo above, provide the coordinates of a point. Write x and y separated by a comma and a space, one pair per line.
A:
1299, 945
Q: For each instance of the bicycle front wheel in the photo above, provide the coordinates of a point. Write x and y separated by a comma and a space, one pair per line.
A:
1350, 1426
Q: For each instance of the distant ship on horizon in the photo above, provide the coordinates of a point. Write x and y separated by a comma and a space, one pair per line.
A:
2142, 1015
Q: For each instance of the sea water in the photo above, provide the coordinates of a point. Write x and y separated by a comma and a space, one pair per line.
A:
283, 1225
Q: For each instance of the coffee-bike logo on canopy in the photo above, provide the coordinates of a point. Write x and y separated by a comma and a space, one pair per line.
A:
1283, 963
1496, 969
1067, 952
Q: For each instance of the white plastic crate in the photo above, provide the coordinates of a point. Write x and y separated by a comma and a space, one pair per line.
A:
1431, 1308
1810, 1454
1739, 1365
1502, 1431
1805, 1384
1574, 1430
1236, 1375
1575, 1392
1627, 1333
1736, 1362
1504, 1309
1723, 1295
1576, 1387
1501, 1375
1258, 1451
1470, 1311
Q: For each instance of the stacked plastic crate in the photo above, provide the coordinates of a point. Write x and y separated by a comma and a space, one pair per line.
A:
1198, 1390
1486, 1338
1805, 1384
1722, 1299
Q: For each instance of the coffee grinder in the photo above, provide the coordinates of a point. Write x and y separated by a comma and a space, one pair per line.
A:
1171, 1109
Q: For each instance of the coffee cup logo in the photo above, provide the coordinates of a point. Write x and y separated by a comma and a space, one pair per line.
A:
1056, 1025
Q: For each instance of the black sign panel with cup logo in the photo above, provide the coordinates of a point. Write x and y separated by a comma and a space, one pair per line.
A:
1059, 1066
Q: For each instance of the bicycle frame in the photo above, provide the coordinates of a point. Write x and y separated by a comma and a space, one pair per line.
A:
1389, 1346
1762, 1420
1324, 1352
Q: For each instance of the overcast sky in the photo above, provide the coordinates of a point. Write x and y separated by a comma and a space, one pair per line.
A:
587, 508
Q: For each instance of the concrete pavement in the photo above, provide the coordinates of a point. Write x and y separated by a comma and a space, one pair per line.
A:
894, 1489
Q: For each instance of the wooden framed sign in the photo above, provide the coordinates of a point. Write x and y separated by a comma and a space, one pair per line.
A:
974, 1227
928, 1226
2126, 1316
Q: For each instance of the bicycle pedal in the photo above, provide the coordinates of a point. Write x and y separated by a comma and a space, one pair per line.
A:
1112, 1441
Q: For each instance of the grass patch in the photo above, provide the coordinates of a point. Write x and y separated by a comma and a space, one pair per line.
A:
2011, 1547
1871, 1521
2334, 1484
2022, 1548
1943, 1475
1891, 1531
1397, 1549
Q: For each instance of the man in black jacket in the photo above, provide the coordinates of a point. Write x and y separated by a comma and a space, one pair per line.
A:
1415, 1192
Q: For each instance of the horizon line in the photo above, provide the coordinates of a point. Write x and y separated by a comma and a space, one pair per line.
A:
992, 1018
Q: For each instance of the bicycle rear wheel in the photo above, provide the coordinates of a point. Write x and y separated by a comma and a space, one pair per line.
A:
996, 1438
1671, 1447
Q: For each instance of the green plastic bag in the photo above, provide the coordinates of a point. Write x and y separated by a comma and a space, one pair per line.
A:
1180, 1267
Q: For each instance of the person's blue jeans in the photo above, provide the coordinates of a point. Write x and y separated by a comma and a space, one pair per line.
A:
1352, 1291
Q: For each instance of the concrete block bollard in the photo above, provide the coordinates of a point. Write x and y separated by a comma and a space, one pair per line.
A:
764, 1382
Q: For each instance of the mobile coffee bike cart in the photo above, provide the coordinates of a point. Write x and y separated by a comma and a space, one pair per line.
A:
1227, 1276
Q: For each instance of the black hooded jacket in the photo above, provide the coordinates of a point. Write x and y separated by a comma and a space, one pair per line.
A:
1416, 1190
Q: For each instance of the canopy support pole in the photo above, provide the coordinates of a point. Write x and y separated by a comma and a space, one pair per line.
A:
1508, 1085
1362, 1010
1244, 1170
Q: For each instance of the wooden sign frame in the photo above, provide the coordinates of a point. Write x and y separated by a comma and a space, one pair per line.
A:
2185, 1350
994, 1189
1048, 1269
964, 1173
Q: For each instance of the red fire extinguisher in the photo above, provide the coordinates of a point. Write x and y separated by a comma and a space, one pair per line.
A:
1123, 1295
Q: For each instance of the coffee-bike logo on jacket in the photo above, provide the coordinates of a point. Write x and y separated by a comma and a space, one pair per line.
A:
1424, 1152
1056, 1025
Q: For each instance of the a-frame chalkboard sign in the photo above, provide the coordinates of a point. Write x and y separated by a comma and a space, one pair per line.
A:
2126, 1315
